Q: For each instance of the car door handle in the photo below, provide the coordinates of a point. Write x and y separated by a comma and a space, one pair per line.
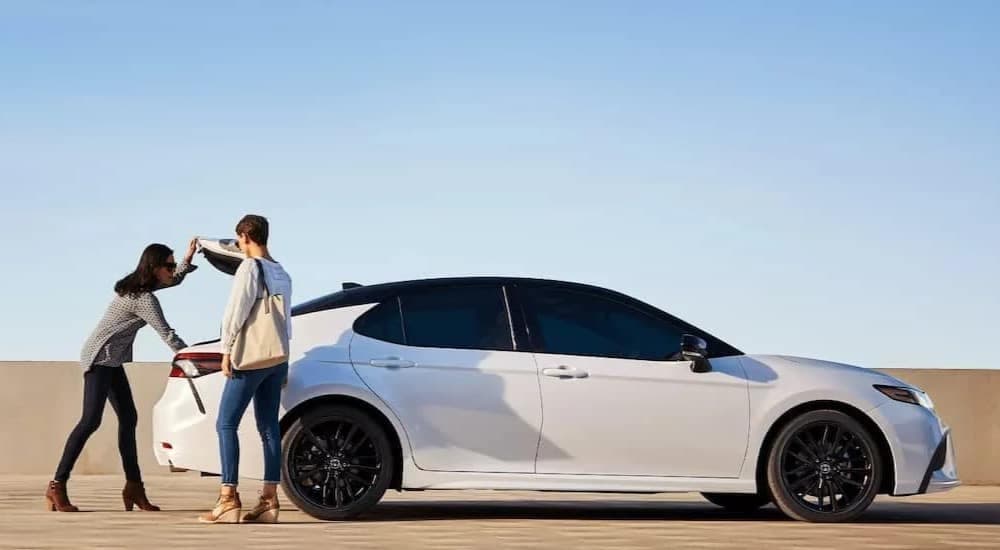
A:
391, 363
565, 372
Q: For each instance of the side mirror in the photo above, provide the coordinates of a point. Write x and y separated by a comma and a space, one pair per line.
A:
695, 349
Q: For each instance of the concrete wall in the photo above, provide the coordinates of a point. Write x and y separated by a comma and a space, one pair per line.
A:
969, 402
40, 403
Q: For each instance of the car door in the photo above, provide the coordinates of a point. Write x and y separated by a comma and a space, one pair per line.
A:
616, 403
445, 361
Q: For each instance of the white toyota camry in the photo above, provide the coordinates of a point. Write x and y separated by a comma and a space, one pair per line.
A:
509, 383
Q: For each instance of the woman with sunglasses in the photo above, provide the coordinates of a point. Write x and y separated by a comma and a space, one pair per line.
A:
107, 349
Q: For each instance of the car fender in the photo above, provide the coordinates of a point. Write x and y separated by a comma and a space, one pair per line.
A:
777, 387
338, 380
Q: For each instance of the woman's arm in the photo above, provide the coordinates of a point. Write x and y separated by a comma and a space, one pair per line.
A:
185, 266
246, 287
149, 310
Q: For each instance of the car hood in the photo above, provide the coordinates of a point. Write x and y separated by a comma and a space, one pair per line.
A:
831, 368
223, 254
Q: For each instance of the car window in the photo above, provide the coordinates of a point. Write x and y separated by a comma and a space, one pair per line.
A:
568, 322
382, 322
464, 317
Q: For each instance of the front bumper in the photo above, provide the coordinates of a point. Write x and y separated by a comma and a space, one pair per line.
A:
923, 452
942, 472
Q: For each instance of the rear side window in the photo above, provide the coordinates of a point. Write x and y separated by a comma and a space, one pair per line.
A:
382, 322
465, 317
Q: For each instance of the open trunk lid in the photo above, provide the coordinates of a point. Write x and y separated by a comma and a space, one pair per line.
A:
223, 254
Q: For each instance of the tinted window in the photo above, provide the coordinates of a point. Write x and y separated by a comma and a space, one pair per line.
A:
382, 323
575, 323
469, 317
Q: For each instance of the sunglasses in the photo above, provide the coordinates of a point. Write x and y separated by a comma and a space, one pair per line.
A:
170, 265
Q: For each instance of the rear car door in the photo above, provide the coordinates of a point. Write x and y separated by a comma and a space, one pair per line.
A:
616, 402
444, 360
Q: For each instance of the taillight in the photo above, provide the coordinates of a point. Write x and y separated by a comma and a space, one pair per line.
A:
194, 364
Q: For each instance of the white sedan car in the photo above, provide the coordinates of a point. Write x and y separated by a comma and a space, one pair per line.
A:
524, 384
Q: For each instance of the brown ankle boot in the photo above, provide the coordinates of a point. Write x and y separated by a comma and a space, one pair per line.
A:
134, 494
56, 498
227, 510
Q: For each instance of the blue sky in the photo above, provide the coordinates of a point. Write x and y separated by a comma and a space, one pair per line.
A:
795, 178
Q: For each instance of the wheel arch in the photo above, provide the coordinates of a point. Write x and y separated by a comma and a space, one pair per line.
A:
884, 449
397, 446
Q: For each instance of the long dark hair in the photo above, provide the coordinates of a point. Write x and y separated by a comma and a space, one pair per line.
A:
143, 279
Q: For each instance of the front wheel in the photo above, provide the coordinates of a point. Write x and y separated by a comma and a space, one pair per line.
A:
338, 462
825, 467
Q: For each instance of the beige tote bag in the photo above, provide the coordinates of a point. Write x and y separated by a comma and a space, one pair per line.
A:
262, 342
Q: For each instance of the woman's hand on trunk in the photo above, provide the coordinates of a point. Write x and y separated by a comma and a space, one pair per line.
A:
192, 248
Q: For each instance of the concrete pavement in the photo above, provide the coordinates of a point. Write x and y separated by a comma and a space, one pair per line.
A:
966, 518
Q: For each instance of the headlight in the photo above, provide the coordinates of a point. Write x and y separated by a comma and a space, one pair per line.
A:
907, 395
924, 399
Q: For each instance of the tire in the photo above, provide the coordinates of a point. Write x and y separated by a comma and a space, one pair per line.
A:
735, 502
824, 467
337, 462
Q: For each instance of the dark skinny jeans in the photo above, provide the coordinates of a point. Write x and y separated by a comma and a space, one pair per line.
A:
101, 384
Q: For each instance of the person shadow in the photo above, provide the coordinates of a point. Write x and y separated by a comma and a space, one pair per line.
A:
461, 410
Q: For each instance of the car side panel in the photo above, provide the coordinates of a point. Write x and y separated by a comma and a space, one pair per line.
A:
465, 410
643, 418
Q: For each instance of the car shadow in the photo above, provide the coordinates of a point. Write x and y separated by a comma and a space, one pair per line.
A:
580, 510
954, 513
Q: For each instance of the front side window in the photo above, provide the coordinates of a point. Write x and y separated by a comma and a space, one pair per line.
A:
463, 317
568, 322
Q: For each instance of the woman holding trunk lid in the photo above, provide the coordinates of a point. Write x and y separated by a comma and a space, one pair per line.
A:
108, 348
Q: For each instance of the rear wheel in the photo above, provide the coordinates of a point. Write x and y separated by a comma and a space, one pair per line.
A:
737, 502
338, 462
824, 466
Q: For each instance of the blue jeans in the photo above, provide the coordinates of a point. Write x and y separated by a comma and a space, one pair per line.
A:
264, 387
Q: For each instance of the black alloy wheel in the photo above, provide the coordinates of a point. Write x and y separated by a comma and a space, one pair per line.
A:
337, 462
824, 467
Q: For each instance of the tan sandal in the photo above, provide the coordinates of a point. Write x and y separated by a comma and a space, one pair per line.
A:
228, 509
266, 511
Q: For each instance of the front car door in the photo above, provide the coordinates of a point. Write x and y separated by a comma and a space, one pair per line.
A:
616, 399
444, 360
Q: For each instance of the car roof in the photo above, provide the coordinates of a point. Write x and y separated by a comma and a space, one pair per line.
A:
354, 295
367, 294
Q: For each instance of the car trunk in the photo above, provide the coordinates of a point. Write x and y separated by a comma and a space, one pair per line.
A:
223, 254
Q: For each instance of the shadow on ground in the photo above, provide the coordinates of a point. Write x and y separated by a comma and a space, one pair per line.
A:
880, 513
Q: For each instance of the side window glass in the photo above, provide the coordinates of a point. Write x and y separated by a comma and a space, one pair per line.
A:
568, 322
382, 322
463, 317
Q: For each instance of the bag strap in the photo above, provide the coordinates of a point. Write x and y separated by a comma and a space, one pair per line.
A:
263, 279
